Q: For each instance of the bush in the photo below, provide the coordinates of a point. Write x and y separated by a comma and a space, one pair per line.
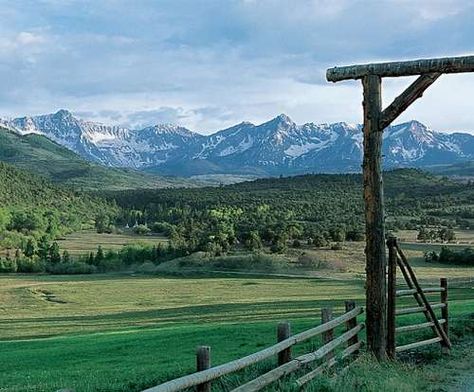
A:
296, 244
142, 230
8, 265
28, 265
336, 246
319, 241
254, 262
71, 268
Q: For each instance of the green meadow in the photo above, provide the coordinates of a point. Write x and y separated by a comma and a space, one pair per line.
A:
126, 333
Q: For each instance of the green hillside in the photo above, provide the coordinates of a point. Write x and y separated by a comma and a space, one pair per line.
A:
461, 169
31, 206
42, 156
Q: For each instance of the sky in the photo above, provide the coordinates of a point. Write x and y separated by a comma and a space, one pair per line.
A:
209, 64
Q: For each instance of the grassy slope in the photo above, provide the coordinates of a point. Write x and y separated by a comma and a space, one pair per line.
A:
40, 155
22, 189
146, 328
83, 242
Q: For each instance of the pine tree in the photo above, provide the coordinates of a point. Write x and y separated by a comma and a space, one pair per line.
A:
91, 259
43, 248
54, 253
99, 257
66, 257
29, 250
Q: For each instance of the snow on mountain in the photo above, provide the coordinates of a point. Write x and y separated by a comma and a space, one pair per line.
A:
274, 147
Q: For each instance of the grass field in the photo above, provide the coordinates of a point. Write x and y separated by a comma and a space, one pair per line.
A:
86, 241
124, 333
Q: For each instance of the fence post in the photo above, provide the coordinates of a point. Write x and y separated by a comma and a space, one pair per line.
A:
352, 323
443, 282
283, 333
326, 315
203, 362
392, 296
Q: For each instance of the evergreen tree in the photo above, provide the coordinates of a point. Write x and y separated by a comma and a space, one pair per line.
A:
99, 257
91, 259
54, 253
29, 250
66, 257
43, 248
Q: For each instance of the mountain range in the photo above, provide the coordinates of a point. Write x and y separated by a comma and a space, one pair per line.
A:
276, 147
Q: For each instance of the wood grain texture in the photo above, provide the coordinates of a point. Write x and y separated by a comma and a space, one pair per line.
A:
374, 218
402, 68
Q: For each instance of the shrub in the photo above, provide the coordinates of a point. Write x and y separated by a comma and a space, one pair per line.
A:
28, 265
71, 268
8, 265
142, 230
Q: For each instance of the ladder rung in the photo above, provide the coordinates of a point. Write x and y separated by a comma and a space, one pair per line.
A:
414, 327
401, 293
417, 309
417, 344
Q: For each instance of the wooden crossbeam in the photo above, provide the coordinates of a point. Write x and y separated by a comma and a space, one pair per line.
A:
402, 68
405, 99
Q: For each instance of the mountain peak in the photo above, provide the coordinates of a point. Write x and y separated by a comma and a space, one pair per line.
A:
63, 113
280, 121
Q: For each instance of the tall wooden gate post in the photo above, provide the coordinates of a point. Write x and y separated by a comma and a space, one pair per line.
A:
374, 217
375, 120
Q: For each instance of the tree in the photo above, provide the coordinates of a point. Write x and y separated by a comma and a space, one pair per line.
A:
423, 234
43, 248
446, 235
54, 253
102, 223
253, 241
30, 249
91, 259
99, 257
66, 257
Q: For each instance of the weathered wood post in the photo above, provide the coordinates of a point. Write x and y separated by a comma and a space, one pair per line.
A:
375, 120
326, 315
283, 333
203, 362
392, 296
374, 217
444, 310
351, 323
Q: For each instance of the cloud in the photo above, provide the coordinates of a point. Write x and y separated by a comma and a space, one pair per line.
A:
208, 67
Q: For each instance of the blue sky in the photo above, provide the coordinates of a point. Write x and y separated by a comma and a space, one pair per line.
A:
208, 64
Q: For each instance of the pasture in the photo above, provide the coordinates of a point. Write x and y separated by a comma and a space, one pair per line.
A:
83, 242
125, 332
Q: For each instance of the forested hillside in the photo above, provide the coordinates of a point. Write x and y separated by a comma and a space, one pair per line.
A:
314, 208
32, 207
42, 156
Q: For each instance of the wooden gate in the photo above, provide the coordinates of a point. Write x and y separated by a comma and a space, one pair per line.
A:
439, 326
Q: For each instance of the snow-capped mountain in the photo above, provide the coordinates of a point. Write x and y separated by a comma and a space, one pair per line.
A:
278, 146
109, 145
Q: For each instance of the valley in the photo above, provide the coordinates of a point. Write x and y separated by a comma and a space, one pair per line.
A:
97, 279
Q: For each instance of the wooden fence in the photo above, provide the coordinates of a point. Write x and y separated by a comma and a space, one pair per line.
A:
439, 326
286, 364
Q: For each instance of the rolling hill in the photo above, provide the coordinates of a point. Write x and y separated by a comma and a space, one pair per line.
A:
40, 155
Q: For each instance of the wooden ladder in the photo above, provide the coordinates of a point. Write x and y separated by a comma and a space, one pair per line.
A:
438, 326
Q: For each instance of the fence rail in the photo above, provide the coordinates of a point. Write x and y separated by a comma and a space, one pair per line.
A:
286, 365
